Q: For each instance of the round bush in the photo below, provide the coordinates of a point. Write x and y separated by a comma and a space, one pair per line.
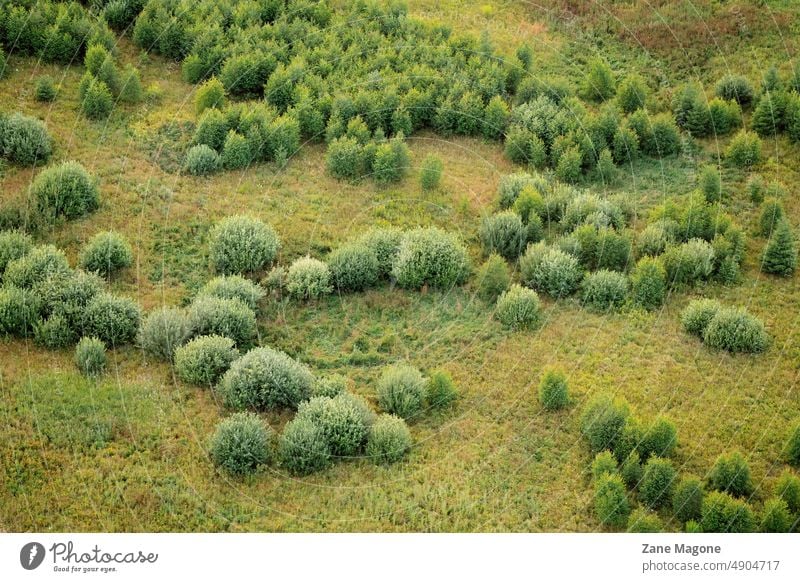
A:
441, 390
721, 513
54, 332
518, 308
688, 263
430, 173
604, 463
503, 233
241, 444
303, 448
67, 294
14, 244
553, 392
772, 214
775, 518
90, 356
389, 439
687, 499
653, 240
735, 88
205, 359
698, 314
391, 161
659, 440
530, 205
353, 267
97, 101
632, 93
226, 317
19, 311
115, 320
212, 129
744, 150
202, 160
45, 89
385, 243
344, 420
40, 264
602, 422
105, 254
792, 450
641, 521
164, 330
233, 287
787, 487
493, 278
604, 290
401, 391
329, 386
735, 330
649, 283
241, 244
210, 94
657, 484
24, 140
610, 501
266, 379
550, 270
731, 474
308, 278
430, 256
65, 190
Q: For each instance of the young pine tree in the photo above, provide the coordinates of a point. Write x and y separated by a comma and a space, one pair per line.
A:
780, 256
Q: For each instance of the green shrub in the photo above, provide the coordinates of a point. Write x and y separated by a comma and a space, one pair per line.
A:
769, 117
568, 168
241, 244
493, 278
599, 83
792, 450
241, 444
735, 88
512, 185
389, 439
787, 487
131, 90
659, 440
45, 89
735, 330
710, 183
265, 379
725, 116
430, 256
698, 314
687, 499
97, 101
164, 330
385, 243
689, 263
632, 93
628, 438
518, 308
604, 290
401, 390
731, 474
744, 150
19, 311
503, 233
303, 448
65, 190
226, 317
14, 244
212, 129
329, 386
236, 152
658, 482
115, 320
308, 278
391, 161
210, 94
775, 518
602, 422
604, 463
441, 390
246, 73
205, 359
780, 255
550, 270
553, 390
772, 214
353, 267
67, 293
54, 332
649, 283
610, 501
24, 140
642, 521
529, 204
430, 173
90, 356
233, 287
344, 420
346, 159
35, 267
105, 254
721, 513
632, 470
201, 160
625, 147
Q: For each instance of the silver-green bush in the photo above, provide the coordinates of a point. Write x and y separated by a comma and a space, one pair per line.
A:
233, 287
604, 290
227, 317
430, 256
90, 356
65, 190
389, 439
308, 278
205, 359
14, 244
550, 270
735, 330
698, 314
401, 390
303, 448
353, 267
344, 420
518, 308
164, 330
38, 265
242, 244
241, 444
105, 254
115, 320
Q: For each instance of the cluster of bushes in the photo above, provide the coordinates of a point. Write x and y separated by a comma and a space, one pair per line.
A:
356, 154
402, 390
725, 328
24, 140
103, 84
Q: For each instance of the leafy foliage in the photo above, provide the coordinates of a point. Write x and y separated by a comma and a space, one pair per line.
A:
430, 256
401, 390
205, 359
518, 308
389, 439
65, 190
241, 444
242, 244
90, 356
106, 253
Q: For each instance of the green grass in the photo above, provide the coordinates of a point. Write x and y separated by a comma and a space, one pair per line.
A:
129, 452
